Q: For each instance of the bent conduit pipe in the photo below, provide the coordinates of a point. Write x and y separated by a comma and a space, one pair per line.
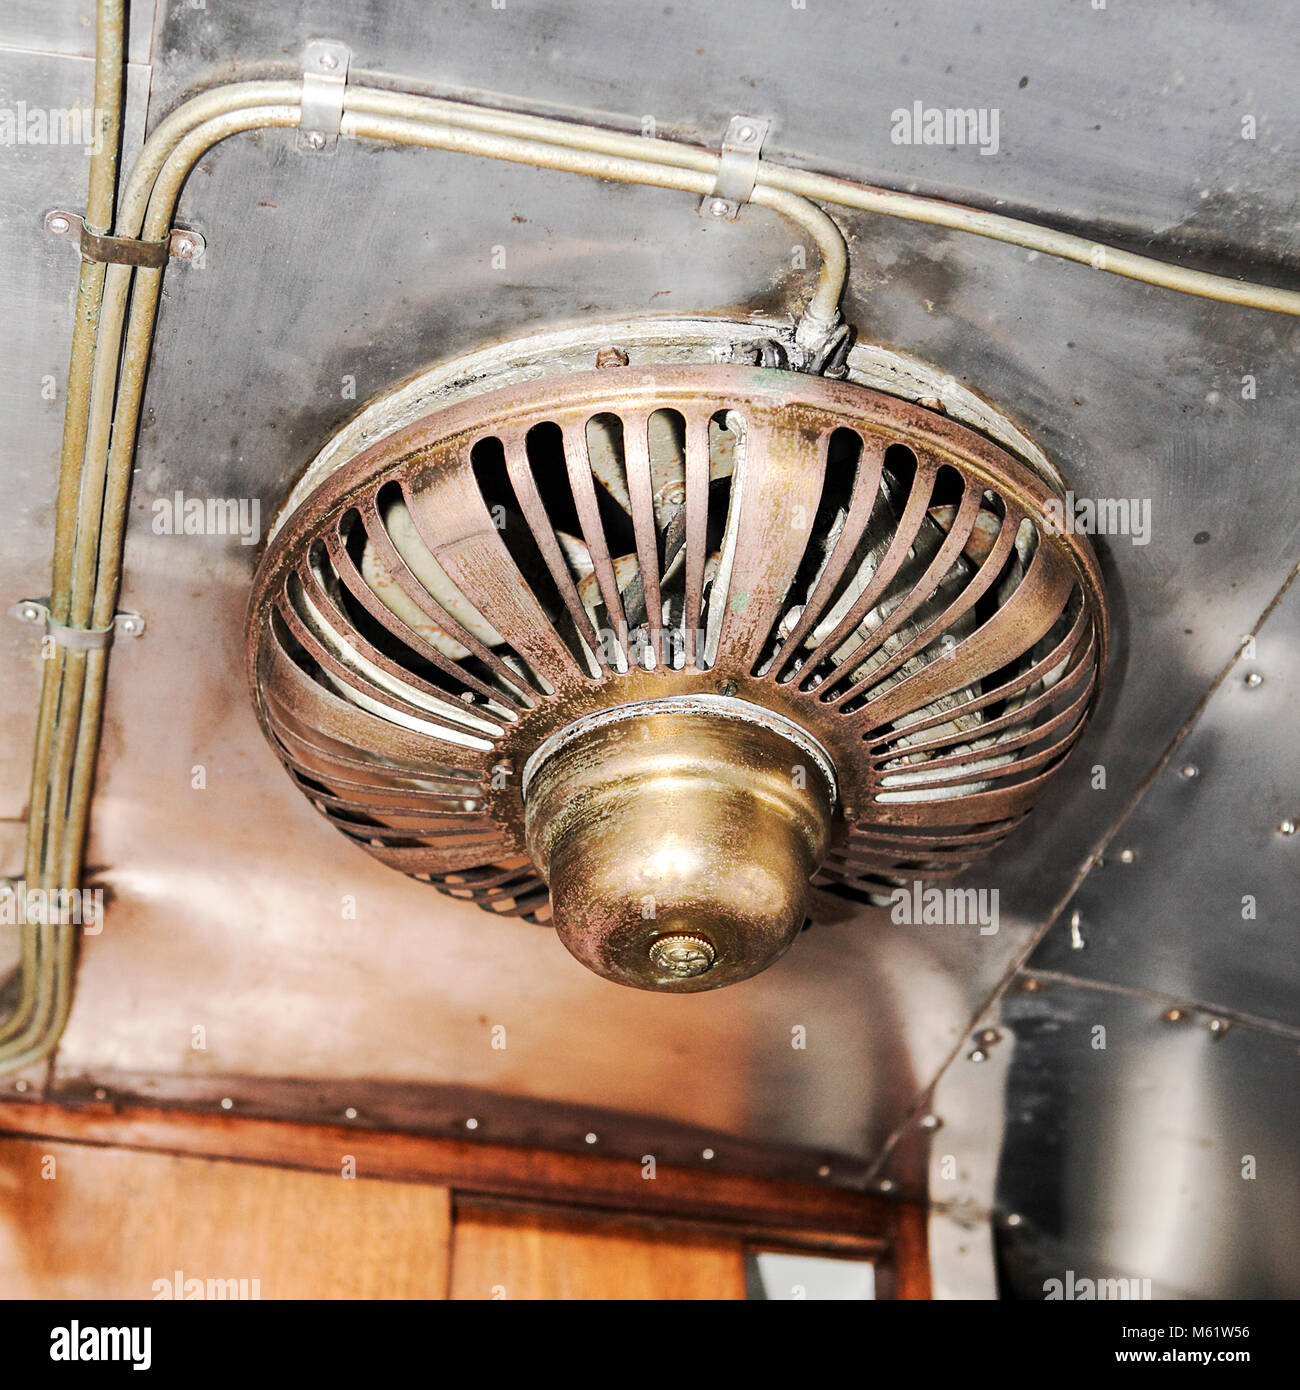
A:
103, 407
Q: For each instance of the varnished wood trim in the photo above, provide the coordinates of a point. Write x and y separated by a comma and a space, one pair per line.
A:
786, 1214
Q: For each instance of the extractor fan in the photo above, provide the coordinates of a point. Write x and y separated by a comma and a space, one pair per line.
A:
642, 651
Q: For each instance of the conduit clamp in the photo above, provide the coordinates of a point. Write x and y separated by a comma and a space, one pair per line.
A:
324, 81
37, 610
181, 242
737, 169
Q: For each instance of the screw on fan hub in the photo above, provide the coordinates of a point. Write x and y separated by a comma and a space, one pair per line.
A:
681, 956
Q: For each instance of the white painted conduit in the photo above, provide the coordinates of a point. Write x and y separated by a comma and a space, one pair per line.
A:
112, 342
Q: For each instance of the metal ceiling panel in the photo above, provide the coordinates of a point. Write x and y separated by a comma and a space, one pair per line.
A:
1153, 1150
1126, 115
1196, 899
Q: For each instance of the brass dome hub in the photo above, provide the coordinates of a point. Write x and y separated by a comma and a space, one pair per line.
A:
678, 837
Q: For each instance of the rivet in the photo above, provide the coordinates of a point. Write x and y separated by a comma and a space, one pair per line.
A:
227, 1103
1189, 770
719, 207
350, 1113
327, 62
1173, 1015
746, 132
591, 1137
20, 1086
885, 1185
1014, 1218
102, 1094
1127, 856
706, 1154
977, 1056
1218, 1027
1254, 679
990, 1036
314, 140
824, 1171
931, 1122
57, 223
471, 1123
1287, 827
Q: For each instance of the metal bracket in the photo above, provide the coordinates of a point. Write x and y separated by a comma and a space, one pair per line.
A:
324, 80
181, 242
37, 611
738, 168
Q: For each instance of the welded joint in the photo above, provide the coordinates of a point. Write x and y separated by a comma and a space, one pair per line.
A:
742, 146
325, 65
182, 243
37, 612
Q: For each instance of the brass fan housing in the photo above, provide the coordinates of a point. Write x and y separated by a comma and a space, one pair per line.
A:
465, 644
678, 837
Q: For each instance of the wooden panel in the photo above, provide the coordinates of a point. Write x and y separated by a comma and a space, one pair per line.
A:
502, 1254
718, 1208
87, 1222
761, 1205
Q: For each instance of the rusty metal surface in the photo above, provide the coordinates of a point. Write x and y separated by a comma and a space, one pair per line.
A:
827, 579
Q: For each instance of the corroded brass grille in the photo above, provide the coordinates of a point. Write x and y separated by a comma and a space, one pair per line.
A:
877, 574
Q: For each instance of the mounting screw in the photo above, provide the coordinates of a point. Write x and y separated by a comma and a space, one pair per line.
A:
130, 624
58, 223
727, 688
186, 245
327, 61
1189, 770
1287, 827
29, 612
1254, 680
314, 140
746, 133
611, 357
719, 207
